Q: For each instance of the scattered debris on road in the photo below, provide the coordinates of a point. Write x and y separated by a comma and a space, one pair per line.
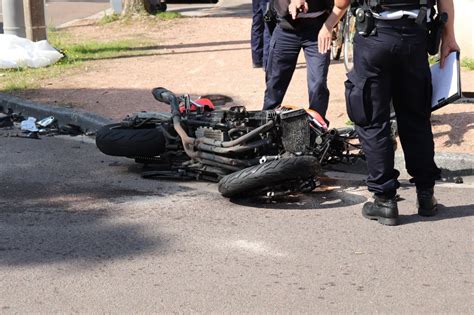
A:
31, 128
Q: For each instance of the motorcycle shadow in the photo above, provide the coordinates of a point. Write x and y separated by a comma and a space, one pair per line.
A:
309, 201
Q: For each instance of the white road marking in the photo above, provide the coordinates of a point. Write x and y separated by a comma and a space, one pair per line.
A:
253, 247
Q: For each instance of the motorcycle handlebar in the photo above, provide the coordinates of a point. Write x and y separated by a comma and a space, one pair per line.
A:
166, 96
349, 130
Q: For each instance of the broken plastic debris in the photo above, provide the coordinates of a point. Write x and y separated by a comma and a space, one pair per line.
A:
5, 121
70, 129
45, 122
29, 125
16, 117
32, 135
29, 135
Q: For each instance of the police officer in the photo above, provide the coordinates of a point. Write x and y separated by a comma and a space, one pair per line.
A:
391, 63
299, 24
260, 34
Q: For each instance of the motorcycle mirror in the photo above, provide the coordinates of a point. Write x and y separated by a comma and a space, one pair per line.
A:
161, 94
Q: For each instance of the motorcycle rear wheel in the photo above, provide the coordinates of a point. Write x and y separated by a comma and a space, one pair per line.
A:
116, 140
268, 174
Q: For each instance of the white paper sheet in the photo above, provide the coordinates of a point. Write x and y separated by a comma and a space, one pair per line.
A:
445, 81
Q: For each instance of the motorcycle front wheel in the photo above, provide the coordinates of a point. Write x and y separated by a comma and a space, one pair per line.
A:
268, 174
117, 140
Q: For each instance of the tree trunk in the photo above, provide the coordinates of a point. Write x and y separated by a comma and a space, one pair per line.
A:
131, 7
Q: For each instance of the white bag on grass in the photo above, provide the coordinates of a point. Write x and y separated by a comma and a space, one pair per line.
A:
17, 52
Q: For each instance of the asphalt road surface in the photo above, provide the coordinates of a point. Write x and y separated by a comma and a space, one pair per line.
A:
83, 232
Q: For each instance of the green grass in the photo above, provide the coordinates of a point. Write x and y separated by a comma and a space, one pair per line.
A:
468, 63
94, 50
76, 54
28, 78
17, 84
109, 18
168, 15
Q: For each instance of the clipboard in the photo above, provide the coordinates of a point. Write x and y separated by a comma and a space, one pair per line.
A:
446, 82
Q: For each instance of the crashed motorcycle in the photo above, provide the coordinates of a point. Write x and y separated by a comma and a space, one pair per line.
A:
264, 152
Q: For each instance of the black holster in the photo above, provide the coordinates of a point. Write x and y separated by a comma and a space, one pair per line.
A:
435, 31
270, 16
365, 22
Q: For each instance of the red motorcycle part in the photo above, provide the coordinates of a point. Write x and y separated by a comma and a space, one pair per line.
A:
318, 118
204, 102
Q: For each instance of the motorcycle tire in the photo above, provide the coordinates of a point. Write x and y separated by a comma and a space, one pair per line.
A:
130, 142
268, 174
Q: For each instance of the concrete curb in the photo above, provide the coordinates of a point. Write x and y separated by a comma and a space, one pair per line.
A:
465, 100
452, 164
87, 121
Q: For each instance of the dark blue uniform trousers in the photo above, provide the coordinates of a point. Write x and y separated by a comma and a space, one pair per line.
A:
393, 65
260, 34
285, 47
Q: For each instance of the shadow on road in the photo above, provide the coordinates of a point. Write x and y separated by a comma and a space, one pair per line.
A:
112, 103
463, 123
157, 47
62, 224
161, 54
444, 213
62, 201
161, 50
311, 201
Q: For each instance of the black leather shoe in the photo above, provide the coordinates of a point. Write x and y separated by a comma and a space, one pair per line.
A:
384, 210
426, 202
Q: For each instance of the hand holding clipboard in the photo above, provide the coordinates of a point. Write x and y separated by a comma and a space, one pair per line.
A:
446, 81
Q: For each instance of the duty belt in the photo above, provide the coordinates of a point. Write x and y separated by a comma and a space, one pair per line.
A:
381, 5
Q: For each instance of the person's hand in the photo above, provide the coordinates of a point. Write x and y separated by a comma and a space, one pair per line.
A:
297, 6
448, 45
324, 39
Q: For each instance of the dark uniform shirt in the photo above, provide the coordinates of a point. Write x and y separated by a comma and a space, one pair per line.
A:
315, 9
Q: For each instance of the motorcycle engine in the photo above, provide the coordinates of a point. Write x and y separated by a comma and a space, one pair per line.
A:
207, 132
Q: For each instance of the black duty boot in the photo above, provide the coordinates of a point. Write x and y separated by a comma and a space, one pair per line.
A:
384, 210
426, 202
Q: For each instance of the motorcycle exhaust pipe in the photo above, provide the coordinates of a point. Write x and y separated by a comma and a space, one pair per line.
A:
234, 149
233, 143
189, 143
